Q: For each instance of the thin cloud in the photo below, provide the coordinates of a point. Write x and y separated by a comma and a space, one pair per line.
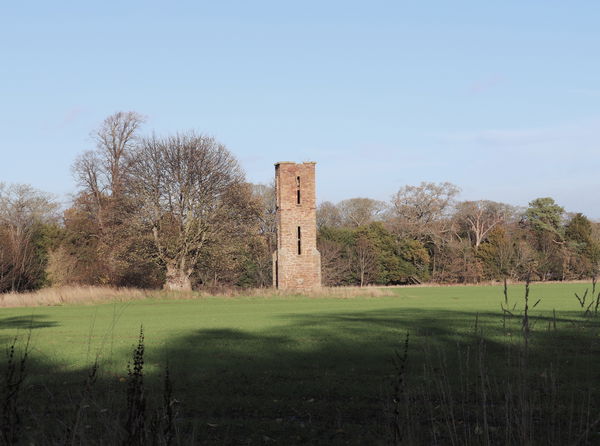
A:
586, 132
71, 116
505, 137
486, 84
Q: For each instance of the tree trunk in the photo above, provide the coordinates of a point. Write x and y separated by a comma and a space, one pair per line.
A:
177, 279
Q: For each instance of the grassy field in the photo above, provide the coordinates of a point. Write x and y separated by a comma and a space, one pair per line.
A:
294, 370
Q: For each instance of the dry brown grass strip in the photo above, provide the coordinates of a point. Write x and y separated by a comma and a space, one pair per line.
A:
97, 294
484, 283
70, 295
345, 292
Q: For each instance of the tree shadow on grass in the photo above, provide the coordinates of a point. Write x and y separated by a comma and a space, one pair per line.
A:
326, 378
317, 378
32, 322
23, 324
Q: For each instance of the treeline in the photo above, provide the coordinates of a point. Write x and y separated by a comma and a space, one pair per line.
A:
149, 212
424, 234
177, 212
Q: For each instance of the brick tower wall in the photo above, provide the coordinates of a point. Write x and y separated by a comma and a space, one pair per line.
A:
296, 262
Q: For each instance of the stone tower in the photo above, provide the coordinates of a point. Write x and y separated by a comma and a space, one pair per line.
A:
296, 262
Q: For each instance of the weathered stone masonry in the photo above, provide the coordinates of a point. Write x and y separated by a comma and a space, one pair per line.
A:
296, 262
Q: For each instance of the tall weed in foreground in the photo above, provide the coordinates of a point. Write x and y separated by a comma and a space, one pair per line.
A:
163, 430
95, 413
12, 389
484, 392
591, 307
74, 431
141, 428
135, 424
397, 426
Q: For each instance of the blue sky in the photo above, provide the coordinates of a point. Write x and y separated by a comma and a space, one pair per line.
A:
500, 98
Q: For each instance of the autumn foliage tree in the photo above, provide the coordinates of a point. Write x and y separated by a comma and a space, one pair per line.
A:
98, 224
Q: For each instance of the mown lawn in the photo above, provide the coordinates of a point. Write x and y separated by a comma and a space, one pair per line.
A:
293, 370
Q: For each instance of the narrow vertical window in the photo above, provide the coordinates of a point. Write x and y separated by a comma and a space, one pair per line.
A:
297, 190
299, 241
276, 189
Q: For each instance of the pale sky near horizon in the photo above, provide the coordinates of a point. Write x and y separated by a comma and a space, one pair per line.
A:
499, 98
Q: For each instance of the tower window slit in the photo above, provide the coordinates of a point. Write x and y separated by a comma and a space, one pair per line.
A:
299, 241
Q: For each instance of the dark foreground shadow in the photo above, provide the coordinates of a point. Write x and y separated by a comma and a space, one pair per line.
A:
331, 379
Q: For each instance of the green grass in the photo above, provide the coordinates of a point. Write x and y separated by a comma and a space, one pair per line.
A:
299, 370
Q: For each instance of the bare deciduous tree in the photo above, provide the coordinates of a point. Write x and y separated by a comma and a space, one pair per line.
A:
22, 210
422, 213
101, 175
357, 212
328, 215
334, 262
478, 218
87, 172
115, 138
418, 208
260, 246
183, 185
364, 261
102, 171
265, 195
